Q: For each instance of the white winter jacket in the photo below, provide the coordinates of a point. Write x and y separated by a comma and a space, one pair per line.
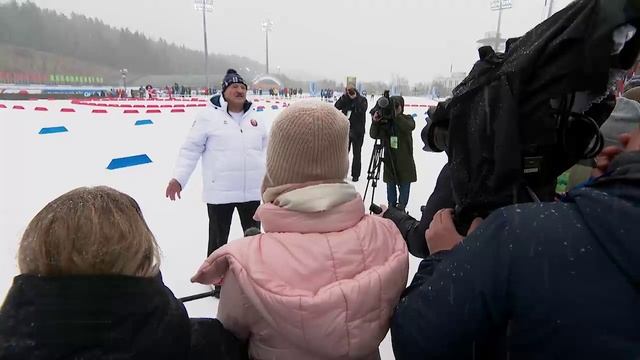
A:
233, 155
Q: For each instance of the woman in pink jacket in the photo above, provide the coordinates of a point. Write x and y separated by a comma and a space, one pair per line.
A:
322, 281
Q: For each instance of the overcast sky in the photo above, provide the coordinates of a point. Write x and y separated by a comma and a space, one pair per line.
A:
370, 39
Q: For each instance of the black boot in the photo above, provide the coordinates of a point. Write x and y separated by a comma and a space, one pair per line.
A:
401, 208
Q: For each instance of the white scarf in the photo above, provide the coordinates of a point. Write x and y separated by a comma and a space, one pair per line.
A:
317, 198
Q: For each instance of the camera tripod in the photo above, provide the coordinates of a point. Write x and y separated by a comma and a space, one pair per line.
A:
373, 173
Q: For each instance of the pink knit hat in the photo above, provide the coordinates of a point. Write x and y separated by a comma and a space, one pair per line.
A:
309, 142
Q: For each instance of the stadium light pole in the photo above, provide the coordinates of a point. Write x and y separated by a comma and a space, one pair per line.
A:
124, 73
205, 6
267, 26
499, 5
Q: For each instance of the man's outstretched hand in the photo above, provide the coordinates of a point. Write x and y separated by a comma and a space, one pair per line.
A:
174, 188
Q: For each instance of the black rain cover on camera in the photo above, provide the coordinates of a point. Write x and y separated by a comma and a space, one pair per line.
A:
501, 111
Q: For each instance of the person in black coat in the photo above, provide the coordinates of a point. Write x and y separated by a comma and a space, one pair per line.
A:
90, 288
354, 106
534, 281
412, 230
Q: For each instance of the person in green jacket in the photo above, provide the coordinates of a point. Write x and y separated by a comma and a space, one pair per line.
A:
399, 166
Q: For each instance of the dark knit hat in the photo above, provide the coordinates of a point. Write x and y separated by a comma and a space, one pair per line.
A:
232, 77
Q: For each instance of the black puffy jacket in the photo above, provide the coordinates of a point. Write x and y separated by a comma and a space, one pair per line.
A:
105, 317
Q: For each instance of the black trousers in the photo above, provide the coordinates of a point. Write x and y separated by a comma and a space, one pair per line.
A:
356, 165
220, 216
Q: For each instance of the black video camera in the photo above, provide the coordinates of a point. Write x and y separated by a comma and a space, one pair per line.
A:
523, 117
385, 108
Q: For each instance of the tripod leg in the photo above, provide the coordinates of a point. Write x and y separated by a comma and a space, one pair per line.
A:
371, 169
377, 174
374, 171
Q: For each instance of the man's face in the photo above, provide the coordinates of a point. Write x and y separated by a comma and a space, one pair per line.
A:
351, 91
236, 94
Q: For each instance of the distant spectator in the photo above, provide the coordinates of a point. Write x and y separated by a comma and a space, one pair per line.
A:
354, 107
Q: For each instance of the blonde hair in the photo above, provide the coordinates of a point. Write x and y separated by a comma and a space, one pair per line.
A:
89, 231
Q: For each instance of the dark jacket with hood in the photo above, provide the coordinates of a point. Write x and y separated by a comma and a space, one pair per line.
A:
358, 118
401, 158
561, 279
105, 317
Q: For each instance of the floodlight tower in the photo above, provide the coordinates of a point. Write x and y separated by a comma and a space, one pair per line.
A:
267, 26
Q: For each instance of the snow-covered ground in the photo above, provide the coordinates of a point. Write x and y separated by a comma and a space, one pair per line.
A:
38, 168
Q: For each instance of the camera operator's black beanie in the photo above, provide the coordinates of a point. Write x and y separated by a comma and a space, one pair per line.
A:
232, 77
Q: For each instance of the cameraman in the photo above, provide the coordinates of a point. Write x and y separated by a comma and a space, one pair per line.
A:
553, 276
354, 106
399, 166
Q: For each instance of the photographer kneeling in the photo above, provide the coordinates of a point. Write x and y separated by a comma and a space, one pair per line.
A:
399, 166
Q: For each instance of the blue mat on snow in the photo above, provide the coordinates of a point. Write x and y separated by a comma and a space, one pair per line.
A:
52, 130
129, 161
144, 122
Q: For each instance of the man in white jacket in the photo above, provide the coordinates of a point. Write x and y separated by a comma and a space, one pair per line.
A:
231, 142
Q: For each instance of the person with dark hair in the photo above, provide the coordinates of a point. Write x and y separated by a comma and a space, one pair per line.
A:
560, 280
354, 106
232, 143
